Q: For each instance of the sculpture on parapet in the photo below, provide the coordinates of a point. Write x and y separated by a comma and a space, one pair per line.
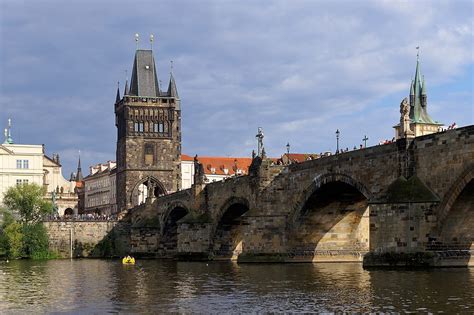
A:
405, 130
198, 171
259, 136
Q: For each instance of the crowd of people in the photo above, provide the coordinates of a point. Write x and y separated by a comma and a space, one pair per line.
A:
83, 217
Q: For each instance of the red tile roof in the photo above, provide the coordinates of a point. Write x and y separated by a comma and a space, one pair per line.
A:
214, 165
301, 157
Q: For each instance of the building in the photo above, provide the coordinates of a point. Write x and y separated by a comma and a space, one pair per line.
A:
148, 122
417, 122
28, 164
100, 189
59, 189
215, 168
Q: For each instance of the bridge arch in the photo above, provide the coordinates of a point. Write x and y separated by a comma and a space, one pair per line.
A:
453, 193
455, 228
330, 218
321, 180
169, 226
227, 240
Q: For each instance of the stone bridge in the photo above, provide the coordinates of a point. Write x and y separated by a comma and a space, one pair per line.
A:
408, 202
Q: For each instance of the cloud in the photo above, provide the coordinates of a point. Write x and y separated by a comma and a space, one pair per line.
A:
299, 69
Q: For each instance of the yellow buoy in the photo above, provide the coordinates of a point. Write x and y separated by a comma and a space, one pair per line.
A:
128, 260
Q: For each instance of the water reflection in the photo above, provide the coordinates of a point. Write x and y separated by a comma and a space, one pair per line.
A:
99, 286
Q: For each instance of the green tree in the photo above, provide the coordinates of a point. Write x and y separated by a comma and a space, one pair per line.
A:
35, 241
14, 240
28, 201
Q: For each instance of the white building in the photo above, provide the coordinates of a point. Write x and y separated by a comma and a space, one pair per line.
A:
20, 164
27, 164
215, 168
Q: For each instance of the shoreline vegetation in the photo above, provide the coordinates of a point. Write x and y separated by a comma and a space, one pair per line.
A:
22, 234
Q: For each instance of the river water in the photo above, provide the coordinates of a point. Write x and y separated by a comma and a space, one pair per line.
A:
153, 286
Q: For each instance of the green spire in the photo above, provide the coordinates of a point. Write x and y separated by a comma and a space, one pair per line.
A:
423, 87
8, 133
418, 113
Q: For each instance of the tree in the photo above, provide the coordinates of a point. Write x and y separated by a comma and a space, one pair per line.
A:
28, 201
13, 240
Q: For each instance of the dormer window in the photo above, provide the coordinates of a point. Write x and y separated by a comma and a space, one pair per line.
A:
213, 170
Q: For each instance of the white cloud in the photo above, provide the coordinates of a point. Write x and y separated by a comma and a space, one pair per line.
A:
300, 69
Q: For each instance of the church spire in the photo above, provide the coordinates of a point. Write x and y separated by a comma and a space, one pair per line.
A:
79, 177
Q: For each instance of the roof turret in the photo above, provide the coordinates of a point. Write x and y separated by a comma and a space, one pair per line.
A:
125, 92
172, 90
117, 98
423, 87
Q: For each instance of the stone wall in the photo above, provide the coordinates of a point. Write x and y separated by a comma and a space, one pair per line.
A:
396, 200
88, 238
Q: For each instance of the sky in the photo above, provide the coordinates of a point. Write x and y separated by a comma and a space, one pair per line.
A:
299, 69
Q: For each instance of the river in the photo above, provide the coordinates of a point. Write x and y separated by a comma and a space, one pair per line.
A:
154, 286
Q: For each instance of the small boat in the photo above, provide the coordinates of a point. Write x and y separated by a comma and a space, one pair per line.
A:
128, 260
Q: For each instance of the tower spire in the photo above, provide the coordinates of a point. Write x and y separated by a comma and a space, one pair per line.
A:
79, 177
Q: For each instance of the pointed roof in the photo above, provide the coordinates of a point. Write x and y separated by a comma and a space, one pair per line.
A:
423, 87
117, 98
125, 92
79, 177
144, 80
172, 90
419, 113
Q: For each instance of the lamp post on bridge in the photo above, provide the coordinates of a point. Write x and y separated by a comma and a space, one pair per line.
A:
337, 140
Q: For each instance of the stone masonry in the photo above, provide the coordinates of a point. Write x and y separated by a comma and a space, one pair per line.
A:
404, 198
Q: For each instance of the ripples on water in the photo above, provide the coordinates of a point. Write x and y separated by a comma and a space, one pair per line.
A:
151, 286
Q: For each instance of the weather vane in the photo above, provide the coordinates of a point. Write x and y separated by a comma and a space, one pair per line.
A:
152, 38
171, 66
137, 37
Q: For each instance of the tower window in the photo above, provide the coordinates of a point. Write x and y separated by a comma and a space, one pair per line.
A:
158, 127
138, 127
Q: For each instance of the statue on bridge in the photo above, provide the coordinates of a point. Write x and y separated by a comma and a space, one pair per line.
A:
405, 130
198, 171
260, 148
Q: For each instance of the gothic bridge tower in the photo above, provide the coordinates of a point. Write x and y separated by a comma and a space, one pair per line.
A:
148, 123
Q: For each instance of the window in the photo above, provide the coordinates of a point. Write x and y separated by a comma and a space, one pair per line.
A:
26, 164
18, 163
158, 127
138, 127
21, 181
